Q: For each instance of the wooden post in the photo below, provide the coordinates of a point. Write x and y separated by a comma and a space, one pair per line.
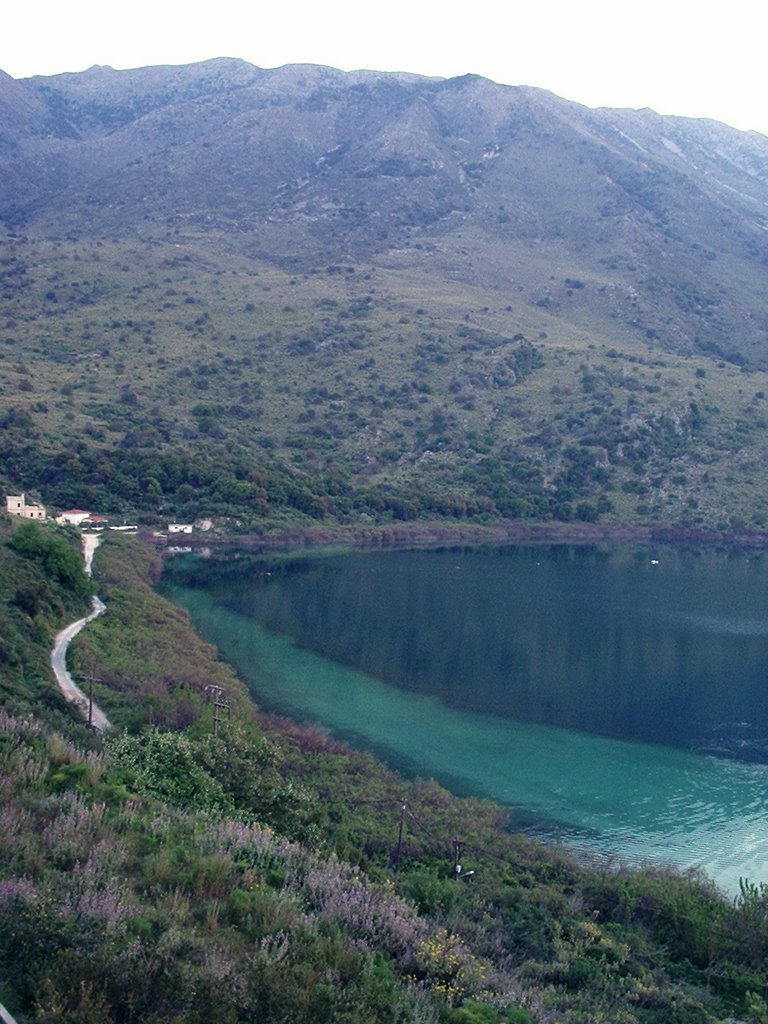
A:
91, 680
216, 696
399, 850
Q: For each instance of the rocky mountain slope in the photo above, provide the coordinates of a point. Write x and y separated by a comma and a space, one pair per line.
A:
664, 219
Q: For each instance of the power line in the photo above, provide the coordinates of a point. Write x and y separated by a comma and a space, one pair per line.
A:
455, 844
419, 824
381, 800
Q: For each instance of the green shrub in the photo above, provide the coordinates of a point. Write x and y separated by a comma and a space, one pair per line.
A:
166, 765
52, 553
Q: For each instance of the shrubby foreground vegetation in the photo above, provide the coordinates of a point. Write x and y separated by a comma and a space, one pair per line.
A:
162, 874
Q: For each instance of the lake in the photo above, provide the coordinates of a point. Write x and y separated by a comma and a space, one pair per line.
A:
614, 697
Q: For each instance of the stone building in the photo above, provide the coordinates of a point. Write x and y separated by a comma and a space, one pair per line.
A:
17, 505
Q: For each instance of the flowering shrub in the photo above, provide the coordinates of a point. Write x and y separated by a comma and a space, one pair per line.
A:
450, 968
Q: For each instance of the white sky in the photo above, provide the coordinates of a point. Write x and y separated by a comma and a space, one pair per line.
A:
688, 57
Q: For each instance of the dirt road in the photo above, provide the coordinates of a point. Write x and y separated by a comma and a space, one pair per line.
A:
67, 685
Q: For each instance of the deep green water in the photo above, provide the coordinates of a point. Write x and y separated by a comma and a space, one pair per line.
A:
586, 687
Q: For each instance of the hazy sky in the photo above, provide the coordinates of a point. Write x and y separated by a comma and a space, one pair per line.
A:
696, 59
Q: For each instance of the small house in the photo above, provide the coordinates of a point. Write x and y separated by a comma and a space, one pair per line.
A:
74, 516
179, 527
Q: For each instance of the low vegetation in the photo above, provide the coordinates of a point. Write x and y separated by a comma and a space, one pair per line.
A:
163, 873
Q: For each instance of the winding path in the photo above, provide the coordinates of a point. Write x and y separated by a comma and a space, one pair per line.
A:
67, 685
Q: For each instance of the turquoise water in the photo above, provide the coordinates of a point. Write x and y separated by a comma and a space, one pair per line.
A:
306, 633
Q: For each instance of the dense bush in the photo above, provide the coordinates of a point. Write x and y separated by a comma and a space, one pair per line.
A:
56, 558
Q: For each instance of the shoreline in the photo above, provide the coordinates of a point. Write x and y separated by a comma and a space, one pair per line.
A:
414, 534
401, 761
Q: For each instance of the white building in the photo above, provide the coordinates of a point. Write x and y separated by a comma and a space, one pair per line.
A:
179, 527
17, 505
74, 516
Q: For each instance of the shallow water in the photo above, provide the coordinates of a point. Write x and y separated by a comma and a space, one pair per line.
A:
578, 685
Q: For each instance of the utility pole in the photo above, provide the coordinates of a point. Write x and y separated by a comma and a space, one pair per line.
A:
220, 702
456, 858
91, 680
399, 850
458, 872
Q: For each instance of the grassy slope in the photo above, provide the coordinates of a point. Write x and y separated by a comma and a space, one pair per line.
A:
357, 393
139, 862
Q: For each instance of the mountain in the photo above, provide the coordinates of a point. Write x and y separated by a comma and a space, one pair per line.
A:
305, 163
478, 231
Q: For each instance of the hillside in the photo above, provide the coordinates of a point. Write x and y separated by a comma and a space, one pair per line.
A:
162, 873
272, 295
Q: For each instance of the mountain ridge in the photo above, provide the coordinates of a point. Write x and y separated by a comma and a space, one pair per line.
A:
309, 163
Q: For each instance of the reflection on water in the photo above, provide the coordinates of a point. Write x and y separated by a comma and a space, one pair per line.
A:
530, 675
719, 623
